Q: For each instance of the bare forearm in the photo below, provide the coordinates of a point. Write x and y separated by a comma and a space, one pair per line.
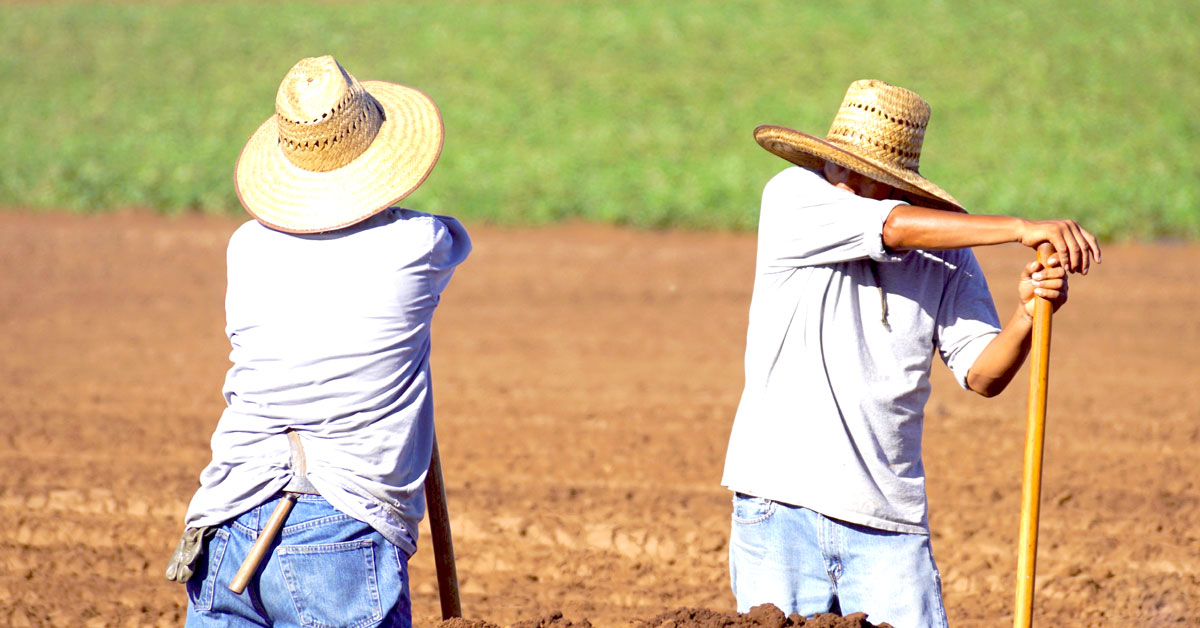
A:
1003, 357
912, 227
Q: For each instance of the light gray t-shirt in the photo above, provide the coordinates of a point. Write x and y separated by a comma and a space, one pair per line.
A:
331, 338
832, 410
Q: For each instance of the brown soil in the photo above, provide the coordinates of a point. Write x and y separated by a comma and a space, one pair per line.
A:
764, 616
586, 381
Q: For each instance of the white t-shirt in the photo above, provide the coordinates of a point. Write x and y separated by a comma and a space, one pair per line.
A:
330, 336
832, 411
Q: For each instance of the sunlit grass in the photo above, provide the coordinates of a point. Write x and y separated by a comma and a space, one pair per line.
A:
630, 113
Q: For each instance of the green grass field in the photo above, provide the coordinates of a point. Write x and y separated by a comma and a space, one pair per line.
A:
626, 112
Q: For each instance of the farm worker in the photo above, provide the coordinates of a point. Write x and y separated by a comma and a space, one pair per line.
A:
330, 298
863, 272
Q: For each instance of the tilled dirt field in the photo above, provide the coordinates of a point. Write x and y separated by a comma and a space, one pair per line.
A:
586, 381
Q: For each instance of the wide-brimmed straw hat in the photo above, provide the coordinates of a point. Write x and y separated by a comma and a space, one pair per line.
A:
337, 151
878, 132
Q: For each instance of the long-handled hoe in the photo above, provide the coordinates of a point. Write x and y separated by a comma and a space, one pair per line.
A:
1035, 431
443, 546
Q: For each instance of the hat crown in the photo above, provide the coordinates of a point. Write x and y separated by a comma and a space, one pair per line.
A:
882, 122
326, 118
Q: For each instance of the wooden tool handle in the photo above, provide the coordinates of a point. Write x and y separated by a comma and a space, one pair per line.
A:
262, 544
1035, 432
443, 545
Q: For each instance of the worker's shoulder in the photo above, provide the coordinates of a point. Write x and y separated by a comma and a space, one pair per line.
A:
797, 177
248, 233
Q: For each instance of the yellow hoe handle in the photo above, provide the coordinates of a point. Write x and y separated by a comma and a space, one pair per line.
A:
1035, 432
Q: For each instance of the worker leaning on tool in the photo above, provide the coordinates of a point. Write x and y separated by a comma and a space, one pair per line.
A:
864, 271
330, 409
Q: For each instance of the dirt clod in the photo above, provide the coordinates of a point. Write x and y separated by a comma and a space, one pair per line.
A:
554, 619
462, 622
761, 616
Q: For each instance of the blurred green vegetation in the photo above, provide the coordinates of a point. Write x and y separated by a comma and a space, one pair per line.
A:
626, 112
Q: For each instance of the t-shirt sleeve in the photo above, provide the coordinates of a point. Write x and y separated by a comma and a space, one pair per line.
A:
805, 221
966, 318
451, 246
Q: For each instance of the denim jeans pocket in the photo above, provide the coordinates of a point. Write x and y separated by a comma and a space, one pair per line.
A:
749, 510
334, 584
200, 590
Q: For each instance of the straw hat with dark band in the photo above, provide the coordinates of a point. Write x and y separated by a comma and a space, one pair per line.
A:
877, 132
337, 151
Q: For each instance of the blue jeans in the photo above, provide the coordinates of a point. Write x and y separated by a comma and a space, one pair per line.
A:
806, 563
325, 569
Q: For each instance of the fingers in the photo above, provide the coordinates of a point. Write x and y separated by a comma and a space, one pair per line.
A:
1056, 297
1050, 289
1049, 281
1077, 263
1052, 269
1066, 245
1093, 245
1082, 247
1032, 268
1076, 245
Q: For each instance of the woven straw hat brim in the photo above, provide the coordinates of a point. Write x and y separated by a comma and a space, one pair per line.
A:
291, 199
805, 150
